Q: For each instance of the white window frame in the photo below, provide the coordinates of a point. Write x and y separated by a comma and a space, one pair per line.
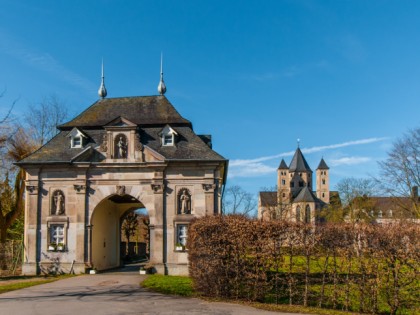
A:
167, 140
181, 239
74, 144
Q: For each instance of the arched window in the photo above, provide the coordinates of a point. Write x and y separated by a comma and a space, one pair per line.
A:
298, 214
308, 214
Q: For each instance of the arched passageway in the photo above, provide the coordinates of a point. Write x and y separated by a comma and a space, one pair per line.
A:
106, 224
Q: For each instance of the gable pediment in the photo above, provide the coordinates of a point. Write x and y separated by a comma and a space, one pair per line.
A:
120, 122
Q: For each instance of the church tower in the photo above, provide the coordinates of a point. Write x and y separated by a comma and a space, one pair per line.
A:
300, 173
283, 183
323, 182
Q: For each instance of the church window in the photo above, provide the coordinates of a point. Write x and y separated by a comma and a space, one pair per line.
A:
284, 195
300, 183
298, 214
283, 182
323, 182
308, 214
323, 195
292, 184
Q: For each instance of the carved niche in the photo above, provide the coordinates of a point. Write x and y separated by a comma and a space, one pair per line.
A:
58, 203
184, 201
120, 146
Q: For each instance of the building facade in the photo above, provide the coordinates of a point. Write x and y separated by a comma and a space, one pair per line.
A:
295, 198
119, 155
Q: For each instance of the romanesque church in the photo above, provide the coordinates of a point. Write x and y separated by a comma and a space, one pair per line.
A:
295, 198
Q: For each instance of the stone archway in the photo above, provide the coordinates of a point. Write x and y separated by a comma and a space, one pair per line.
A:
105, 226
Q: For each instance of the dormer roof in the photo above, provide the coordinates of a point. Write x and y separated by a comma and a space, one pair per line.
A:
167, 130
299, 163
75, 132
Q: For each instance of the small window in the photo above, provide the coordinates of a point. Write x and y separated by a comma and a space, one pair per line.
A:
323, 182
168, 140
182, 235
57, 234
284, 195
323, 195
298, 214
283, 182
292, 184
77, 142
300, 183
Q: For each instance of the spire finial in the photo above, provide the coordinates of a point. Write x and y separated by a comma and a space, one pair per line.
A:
102, 90
161, 87
298, 143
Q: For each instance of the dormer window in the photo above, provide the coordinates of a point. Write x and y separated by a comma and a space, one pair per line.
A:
168, 136
168, 140
76, 142
76, 138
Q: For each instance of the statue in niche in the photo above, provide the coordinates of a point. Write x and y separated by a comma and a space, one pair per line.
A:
58, 202
121, 147
184, 202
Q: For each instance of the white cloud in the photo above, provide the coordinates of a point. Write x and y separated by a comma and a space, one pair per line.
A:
351, 160
251, 170
255, 167
239, 162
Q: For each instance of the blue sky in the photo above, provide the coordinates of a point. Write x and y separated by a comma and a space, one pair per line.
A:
342, 76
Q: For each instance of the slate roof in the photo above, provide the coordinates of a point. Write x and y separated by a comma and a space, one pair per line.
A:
268, 198
283, 165
298, 163
141, 110
322, 165
189, 146
306, 195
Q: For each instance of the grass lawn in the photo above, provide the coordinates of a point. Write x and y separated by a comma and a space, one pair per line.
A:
26, 282
179, 285
176, 285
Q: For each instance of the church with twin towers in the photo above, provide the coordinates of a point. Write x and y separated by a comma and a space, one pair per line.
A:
295, 198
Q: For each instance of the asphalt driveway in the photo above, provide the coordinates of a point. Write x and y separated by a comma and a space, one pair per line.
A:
108, 293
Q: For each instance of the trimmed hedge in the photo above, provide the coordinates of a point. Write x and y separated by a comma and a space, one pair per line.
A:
364, 268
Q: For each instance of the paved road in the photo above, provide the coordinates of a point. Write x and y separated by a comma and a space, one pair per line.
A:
108, 293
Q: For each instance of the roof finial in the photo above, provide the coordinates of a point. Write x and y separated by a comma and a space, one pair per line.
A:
298, 143
102, 90
161, 87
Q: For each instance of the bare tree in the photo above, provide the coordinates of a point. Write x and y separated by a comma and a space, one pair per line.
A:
12, 200
355, 195
400, 172
43, 118
238, 201
129, 227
